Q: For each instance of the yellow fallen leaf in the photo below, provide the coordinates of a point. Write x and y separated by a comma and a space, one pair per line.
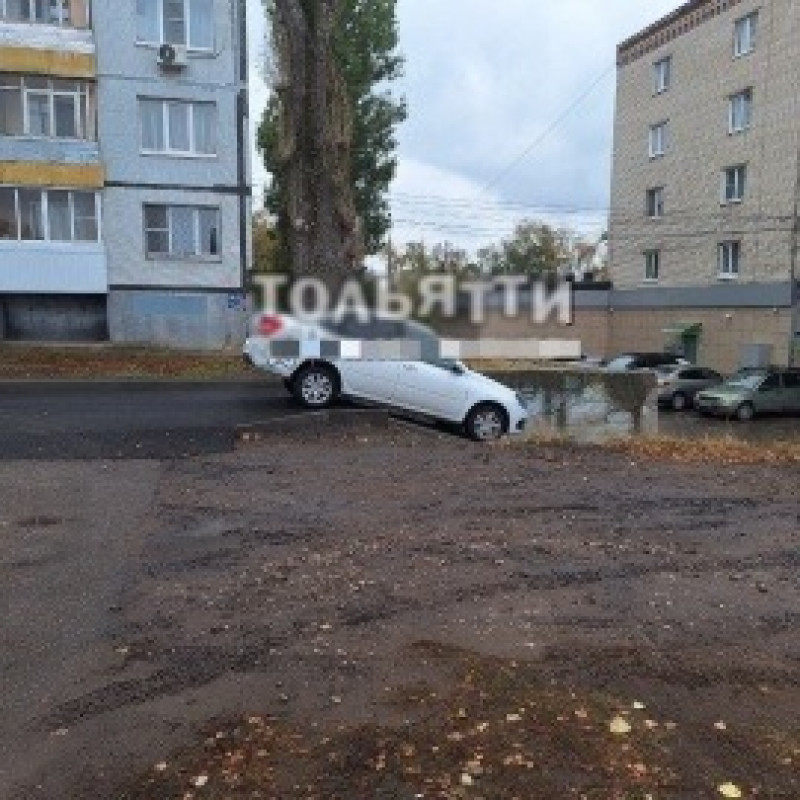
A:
619, 726
730, 790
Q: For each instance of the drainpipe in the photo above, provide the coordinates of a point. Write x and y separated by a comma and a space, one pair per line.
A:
242, 136
795, 295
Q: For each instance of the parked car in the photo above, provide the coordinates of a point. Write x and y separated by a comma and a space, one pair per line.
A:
751, 392
678, 385
631, 361
311, 359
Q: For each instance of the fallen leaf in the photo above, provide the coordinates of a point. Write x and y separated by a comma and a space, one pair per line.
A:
619, 726
730, 790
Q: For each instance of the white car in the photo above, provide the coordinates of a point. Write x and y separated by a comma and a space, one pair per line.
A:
321, 361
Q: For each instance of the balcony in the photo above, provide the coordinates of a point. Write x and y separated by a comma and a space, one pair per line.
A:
55, 13
46, 46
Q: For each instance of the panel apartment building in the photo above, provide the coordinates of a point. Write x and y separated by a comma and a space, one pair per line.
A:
703, 228
124, 170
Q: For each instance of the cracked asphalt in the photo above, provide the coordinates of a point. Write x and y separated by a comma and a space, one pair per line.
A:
145, 599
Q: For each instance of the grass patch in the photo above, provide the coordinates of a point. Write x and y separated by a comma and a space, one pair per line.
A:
21, 362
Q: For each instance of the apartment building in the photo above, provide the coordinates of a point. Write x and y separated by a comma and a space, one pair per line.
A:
124, 170
706, 171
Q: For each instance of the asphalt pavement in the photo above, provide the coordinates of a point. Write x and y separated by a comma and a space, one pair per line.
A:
164, 420
140, 420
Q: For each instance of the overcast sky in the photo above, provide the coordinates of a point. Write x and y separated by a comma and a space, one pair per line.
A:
486, 83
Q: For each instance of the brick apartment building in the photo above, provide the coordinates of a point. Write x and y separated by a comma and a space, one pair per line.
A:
703, 236
124, 170
706, 167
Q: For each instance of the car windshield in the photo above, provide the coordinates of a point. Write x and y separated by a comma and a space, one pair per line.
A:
621, 362
745, 380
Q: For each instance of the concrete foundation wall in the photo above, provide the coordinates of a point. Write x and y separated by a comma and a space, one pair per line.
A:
724, 336
178, 319
53, 318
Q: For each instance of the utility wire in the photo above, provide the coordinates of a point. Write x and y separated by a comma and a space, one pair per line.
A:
547, 132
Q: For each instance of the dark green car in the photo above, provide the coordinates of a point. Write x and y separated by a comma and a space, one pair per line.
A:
751, 392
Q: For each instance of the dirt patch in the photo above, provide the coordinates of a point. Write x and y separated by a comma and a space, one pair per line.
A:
500, 729
403, 614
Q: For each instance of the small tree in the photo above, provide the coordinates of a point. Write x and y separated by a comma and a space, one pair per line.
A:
535, 249
265, 244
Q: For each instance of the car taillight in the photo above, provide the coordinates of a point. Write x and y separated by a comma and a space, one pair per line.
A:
269, 325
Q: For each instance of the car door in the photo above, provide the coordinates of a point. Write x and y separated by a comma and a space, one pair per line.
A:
431, 388
768, 398
791, 391
369, 377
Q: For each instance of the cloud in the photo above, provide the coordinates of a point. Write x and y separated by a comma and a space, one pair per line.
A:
487, 81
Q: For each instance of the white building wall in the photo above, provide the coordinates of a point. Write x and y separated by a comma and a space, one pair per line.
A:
52, 268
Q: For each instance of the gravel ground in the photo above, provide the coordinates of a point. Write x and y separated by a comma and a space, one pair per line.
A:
402, 614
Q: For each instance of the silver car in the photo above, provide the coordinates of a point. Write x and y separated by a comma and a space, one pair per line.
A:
678, 385
754, 391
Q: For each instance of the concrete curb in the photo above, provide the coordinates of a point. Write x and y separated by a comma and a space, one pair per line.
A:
314, 420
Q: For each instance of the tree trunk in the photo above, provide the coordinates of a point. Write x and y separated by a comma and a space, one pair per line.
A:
315, 143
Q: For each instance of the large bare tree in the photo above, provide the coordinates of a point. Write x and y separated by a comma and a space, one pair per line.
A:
314, 142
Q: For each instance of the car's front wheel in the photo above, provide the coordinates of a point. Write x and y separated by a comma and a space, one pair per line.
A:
486, 422
316, 386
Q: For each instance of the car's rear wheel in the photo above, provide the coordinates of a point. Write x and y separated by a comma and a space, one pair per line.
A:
316, 386
745, 412
486, 422
680, 401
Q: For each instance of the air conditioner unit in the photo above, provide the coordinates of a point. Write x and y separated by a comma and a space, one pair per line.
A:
172, 56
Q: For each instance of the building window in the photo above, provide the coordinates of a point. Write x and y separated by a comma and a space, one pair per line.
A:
181, 231
45, 108
655, 203
178, 127
54, 215
658, 140
734, 180
663, 74
65, 13
744, 39
182, 22
652, 265
740, 111
729, 256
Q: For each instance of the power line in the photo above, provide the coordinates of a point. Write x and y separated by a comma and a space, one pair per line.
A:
549, 130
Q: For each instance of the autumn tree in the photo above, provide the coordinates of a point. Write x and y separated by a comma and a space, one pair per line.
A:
535, 249
265, 244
